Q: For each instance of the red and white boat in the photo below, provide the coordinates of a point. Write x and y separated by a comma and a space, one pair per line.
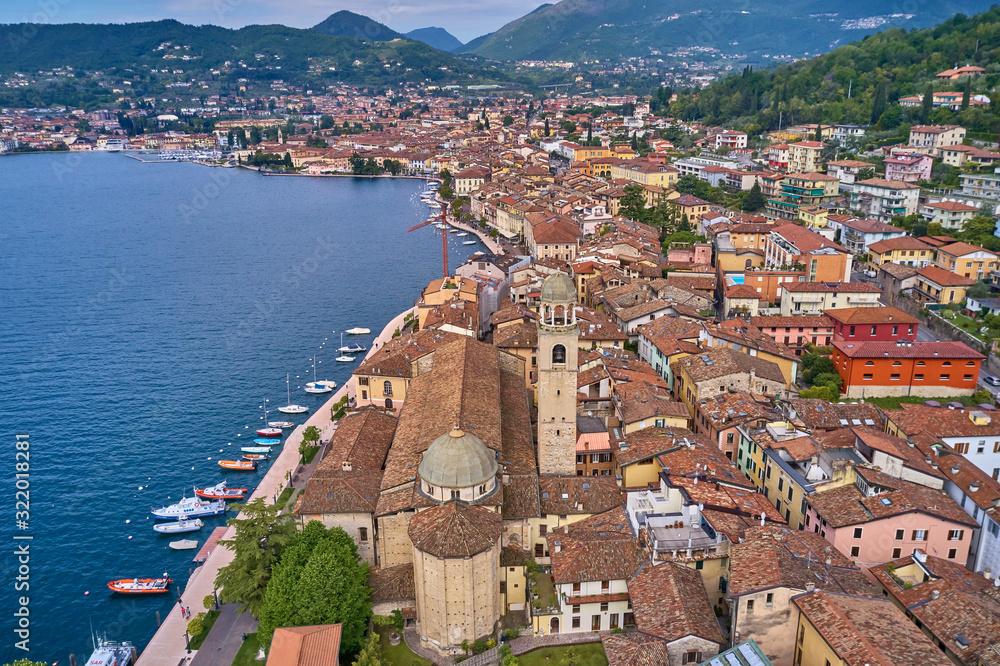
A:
254, 456
272, 429
140, 585
220, 491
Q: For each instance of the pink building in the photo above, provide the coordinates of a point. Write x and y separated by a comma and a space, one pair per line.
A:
697, 253
880, 518
908, 167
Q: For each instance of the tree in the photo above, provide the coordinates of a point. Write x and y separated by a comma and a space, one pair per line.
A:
866, 173
319, 580
879, 102
325, 121
259, 542
196, 625
27, 662
819, 132
754, 200
979, 290
633, 204
966, 93
508, 120
927, 104
371, 653
547, 127
311, 434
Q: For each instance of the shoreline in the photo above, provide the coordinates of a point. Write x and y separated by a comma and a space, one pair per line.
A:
167, 647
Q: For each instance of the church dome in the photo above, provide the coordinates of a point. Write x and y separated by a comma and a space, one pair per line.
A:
457, 460
558, 288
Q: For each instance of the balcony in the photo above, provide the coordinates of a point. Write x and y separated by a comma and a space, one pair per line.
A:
542, 591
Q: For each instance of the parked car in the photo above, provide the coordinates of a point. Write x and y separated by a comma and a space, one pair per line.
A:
991, 380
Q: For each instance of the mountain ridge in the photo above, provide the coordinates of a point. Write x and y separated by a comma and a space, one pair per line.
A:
437, 38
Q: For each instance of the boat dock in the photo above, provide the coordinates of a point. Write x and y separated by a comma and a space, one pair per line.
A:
209, 546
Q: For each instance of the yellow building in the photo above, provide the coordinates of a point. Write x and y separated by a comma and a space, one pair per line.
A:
937, 285
443, 291
645, 172
813, 217
906, 250
967, 260
804, 156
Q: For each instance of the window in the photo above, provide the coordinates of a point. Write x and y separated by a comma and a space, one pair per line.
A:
994, 529
363, 533
576, 608
605, 586
900, 534
955, 535
559, 355
962, 447
896, 552
614, 620
700, 564
503, 587
945, 378
855, 551
895, 330
362, 381
387, 388
576, 622
919, 535
595, 622
723, 584
946, 364
952, 553
918, 378
749, 605
968, 378
894, 377
691, 657
874, 329
576, 589
604, 607
543, 530
852, 330
868, 363
770, 599
921, 363
455, 495
857, 532
867, 377
539, 550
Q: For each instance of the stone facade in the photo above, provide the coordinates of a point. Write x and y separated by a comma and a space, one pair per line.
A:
558, 340
770, 623
696, 649
457, 598
394, 545
359, 526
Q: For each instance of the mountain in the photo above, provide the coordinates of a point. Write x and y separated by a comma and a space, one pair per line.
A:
145, 52
602, 29
439, 38
349, 24
474, 44
860, 83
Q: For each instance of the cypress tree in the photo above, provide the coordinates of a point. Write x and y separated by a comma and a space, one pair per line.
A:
926, 104
966, 93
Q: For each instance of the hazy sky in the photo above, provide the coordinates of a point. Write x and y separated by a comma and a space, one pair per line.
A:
465, 19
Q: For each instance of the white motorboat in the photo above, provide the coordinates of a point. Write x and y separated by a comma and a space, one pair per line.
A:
107, 653
179, 527
358, 331
290, 408
352, 349
469, 242
189, 508
184, 544
280, 424
344, 358
464, 233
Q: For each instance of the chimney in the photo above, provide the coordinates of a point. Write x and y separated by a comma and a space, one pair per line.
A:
954, 469
973, 487
810, 587
988, 574
935, 595
347, 466
557, 545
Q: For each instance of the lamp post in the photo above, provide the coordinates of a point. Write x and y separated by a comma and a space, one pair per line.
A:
187, 641
215, 593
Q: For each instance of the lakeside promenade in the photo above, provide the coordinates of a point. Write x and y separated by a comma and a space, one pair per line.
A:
168, 645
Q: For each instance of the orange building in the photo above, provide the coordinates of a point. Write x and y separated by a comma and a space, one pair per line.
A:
928, 369
768, 283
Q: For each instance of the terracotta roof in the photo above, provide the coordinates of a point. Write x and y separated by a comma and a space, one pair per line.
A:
876, 349
898, 271
950, 205
832, 287
521, 497
522, 335
341, 492
318, 645
962, 249
817, 414
941, 422
775, 556
362, 439
864, 631
792, 321
394, 359
901, 243
742, 291
635, 649
454, 530
723, 361
670, 601
887, 184
600, 547
804, 239
881, 315
392, 583
574, 495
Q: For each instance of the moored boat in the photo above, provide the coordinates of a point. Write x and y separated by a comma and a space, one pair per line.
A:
108, 653
280, 424
358, 331
238, 465
183, 544
255, 449
254, 456
140, 585
469, 242
220, 491
267, 442
320, 387
269, 432
179, 527
290, 408
352, 349
464, 233
190, 507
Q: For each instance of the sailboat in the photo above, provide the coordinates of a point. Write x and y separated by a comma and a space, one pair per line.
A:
290, 408
319, 387
344, 357
271, 430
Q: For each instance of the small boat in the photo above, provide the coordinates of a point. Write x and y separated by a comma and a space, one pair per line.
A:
140, 585
183, 544
343, 358
255, 449
269, 432
220, 491
190, 507
319, 386
453, 231
352, 349
290, 408
469, 242
464, 233
238, 465
358, 331
441, 226
280, 424
108, 653
254, 456
267, 442
179, 527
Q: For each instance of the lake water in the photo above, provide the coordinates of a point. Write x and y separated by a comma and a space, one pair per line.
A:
148, 310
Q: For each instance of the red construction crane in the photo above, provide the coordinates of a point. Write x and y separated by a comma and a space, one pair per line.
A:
441, 218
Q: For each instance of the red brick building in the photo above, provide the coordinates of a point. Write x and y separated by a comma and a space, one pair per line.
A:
929, 369
797, 331
878, 324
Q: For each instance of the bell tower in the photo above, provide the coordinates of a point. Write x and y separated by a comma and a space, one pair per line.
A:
557, 370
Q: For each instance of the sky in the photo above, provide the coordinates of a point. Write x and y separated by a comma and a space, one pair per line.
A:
465, 19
